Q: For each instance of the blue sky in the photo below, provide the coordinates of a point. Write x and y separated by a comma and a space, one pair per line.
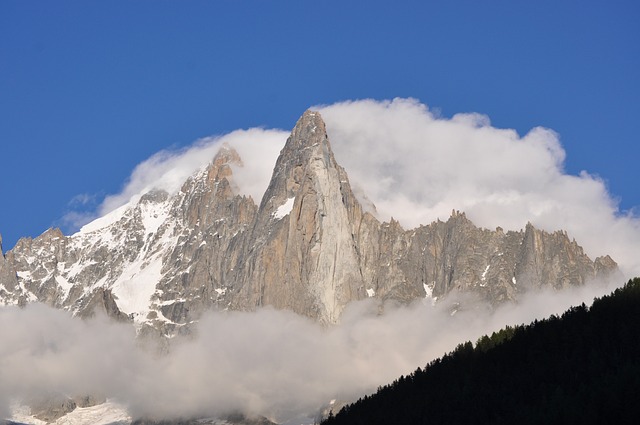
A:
88, 90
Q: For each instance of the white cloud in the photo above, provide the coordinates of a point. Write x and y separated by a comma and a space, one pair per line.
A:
168, 170
271, 363
418, 167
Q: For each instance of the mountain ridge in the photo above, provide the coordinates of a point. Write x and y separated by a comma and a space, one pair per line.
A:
309, 247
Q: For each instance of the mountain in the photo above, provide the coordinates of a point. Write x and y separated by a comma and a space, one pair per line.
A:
310, 247
581, 367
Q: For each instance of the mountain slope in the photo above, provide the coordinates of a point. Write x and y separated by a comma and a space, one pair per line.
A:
582, 367
310, 247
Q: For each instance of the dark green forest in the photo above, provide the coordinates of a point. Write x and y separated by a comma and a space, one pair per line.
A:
582, 367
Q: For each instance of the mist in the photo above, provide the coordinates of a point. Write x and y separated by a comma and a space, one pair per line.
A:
269, 362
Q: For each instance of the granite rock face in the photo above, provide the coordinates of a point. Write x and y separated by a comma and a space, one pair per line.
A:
9, 289
309, 247
302, 254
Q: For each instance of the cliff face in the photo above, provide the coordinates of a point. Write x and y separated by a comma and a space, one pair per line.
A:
303, 255
308, 247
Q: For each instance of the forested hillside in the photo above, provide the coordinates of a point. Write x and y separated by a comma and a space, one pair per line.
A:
581, 367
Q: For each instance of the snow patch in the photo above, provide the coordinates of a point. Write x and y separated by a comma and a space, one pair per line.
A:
428, 292
136, 286
484, 274
64, 284
153, 215
24, 274
284, 209
371, 292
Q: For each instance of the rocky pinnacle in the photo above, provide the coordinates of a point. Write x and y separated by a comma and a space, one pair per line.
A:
308, 247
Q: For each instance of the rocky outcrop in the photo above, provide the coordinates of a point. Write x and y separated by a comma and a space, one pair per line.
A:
303, 255
9, 290
102, 302
50, 407
309, 247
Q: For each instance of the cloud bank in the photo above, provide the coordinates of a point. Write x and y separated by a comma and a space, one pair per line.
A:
417, 167
414, 166
169, 169
271, 363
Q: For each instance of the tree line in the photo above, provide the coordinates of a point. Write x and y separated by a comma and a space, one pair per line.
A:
581, 367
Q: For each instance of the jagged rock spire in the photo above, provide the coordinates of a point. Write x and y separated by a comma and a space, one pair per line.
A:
308, 247
305, 256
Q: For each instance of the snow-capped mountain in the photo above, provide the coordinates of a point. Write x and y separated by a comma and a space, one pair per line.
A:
310, 246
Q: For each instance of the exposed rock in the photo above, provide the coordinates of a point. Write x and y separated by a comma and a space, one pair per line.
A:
102, 302
89, 400
9, 290
309, 247
303, 255
51, 407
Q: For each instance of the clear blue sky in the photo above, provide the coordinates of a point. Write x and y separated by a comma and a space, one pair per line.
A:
90, 89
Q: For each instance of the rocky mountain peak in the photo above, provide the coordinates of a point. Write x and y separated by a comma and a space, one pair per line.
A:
219, 169
306, 150
304, 257
309, 247
224, 160
204, 194
309, 130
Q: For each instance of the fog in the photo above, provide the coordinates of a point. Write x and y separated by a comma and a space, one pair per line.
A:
271, 363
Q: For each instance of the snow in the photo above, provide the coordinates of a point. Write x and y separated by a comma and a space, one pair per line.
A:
64, 284
161, 317
22, 414
108, 413
284, 209
106, 220
30, 296
170, 302
133, 282
24, 274
371, 292
153, 215
484, 274
428, 291
136, 285
513, 279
